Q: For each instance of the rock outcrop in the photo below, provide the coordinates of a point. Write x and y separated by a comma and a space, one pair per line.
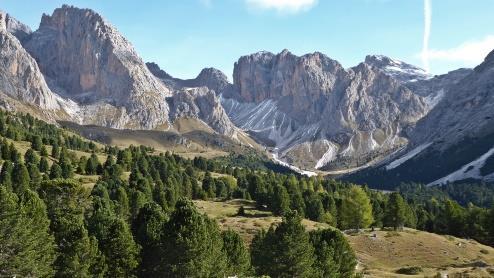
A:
201, 103
91, 62
311, 105
13, 26
20, 77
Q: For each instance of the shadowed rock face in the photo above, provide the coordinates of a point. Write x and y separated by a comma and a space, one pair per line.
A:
467, 109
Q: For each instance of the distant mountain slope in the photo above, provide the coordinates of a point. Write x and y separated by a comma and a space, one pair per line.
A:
317, 114
309, 111
455, 141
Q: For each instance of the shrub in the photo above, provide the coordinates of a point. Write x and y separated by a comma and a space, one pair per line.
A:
412, 270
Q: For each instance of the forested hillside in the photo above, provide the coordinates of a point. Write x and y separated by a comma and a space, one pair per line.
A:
70, 207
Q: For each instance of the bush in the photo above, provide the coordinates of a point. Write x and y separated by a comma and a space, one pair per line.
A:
412, 270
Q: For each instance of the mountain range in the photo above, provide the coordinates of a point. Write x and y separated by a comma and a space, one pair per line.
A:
381, 122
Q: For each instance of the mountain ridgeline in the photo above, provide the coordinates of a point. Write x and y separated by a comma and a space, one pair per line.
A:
381, 122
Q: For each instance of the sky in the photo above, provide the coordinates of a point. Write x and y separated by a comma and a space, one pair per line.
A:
184, 36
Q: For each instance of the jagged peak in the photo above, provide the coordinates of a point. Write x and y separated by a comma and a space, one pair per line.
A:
14, 26
157, 71
212, 73
87, 19
398, 69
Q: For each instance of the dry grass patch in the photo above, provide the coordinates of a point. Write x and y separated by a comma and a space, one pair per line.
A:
253, 221
387, 252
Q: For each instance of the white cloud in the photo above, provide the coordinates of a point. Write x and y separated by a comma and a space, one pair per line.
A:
470, 53
427, 34
288, 6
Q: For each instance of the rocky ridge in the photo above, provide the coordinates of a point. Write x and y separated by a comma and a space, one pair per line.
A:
83, 68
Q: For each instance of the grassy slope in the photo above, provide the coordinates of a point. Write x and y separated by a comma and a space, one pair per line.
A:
246, 226
382, 255
378, 256
188, 138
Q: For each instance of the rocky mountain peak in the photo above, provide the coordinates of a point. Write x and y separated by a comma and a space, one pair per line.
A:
93, 64
157, 71
213, 78
20, 77
264, 75
399, 70
13, 26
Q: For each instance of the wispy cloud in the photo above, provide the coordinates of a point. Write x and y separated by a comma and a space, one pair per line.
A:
283, 6
470, 53
427, 34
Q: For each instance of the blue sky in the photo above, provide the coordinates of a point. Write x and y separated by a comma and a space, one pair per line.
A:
184, 36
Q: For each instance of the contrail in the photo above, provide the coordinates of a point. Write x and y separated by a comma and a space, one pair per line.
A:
427, 33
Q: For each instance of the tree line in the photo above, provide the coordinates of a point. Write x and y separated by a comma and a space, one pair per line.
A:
141, 226
138, 221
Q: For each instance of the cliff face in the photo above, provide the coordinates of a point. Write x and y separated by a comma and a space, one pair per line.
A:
20, 77
13, 26
91, 62
313, 111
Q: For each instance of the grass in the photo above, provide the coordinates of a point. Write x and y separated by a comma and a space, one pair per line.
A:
253, 221
387, 252
187, 137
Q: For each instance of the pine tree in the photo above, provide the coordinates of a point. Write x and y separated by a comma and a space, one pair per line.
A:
66, 204
31, 157
395, 211
37, 143
6, 174
43, 152
20, 178
284, 251
193, 245
55, 151
55, 171
122, 203
43, 165
280, 202
27, 248
120, 250
238, 256
334, 255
